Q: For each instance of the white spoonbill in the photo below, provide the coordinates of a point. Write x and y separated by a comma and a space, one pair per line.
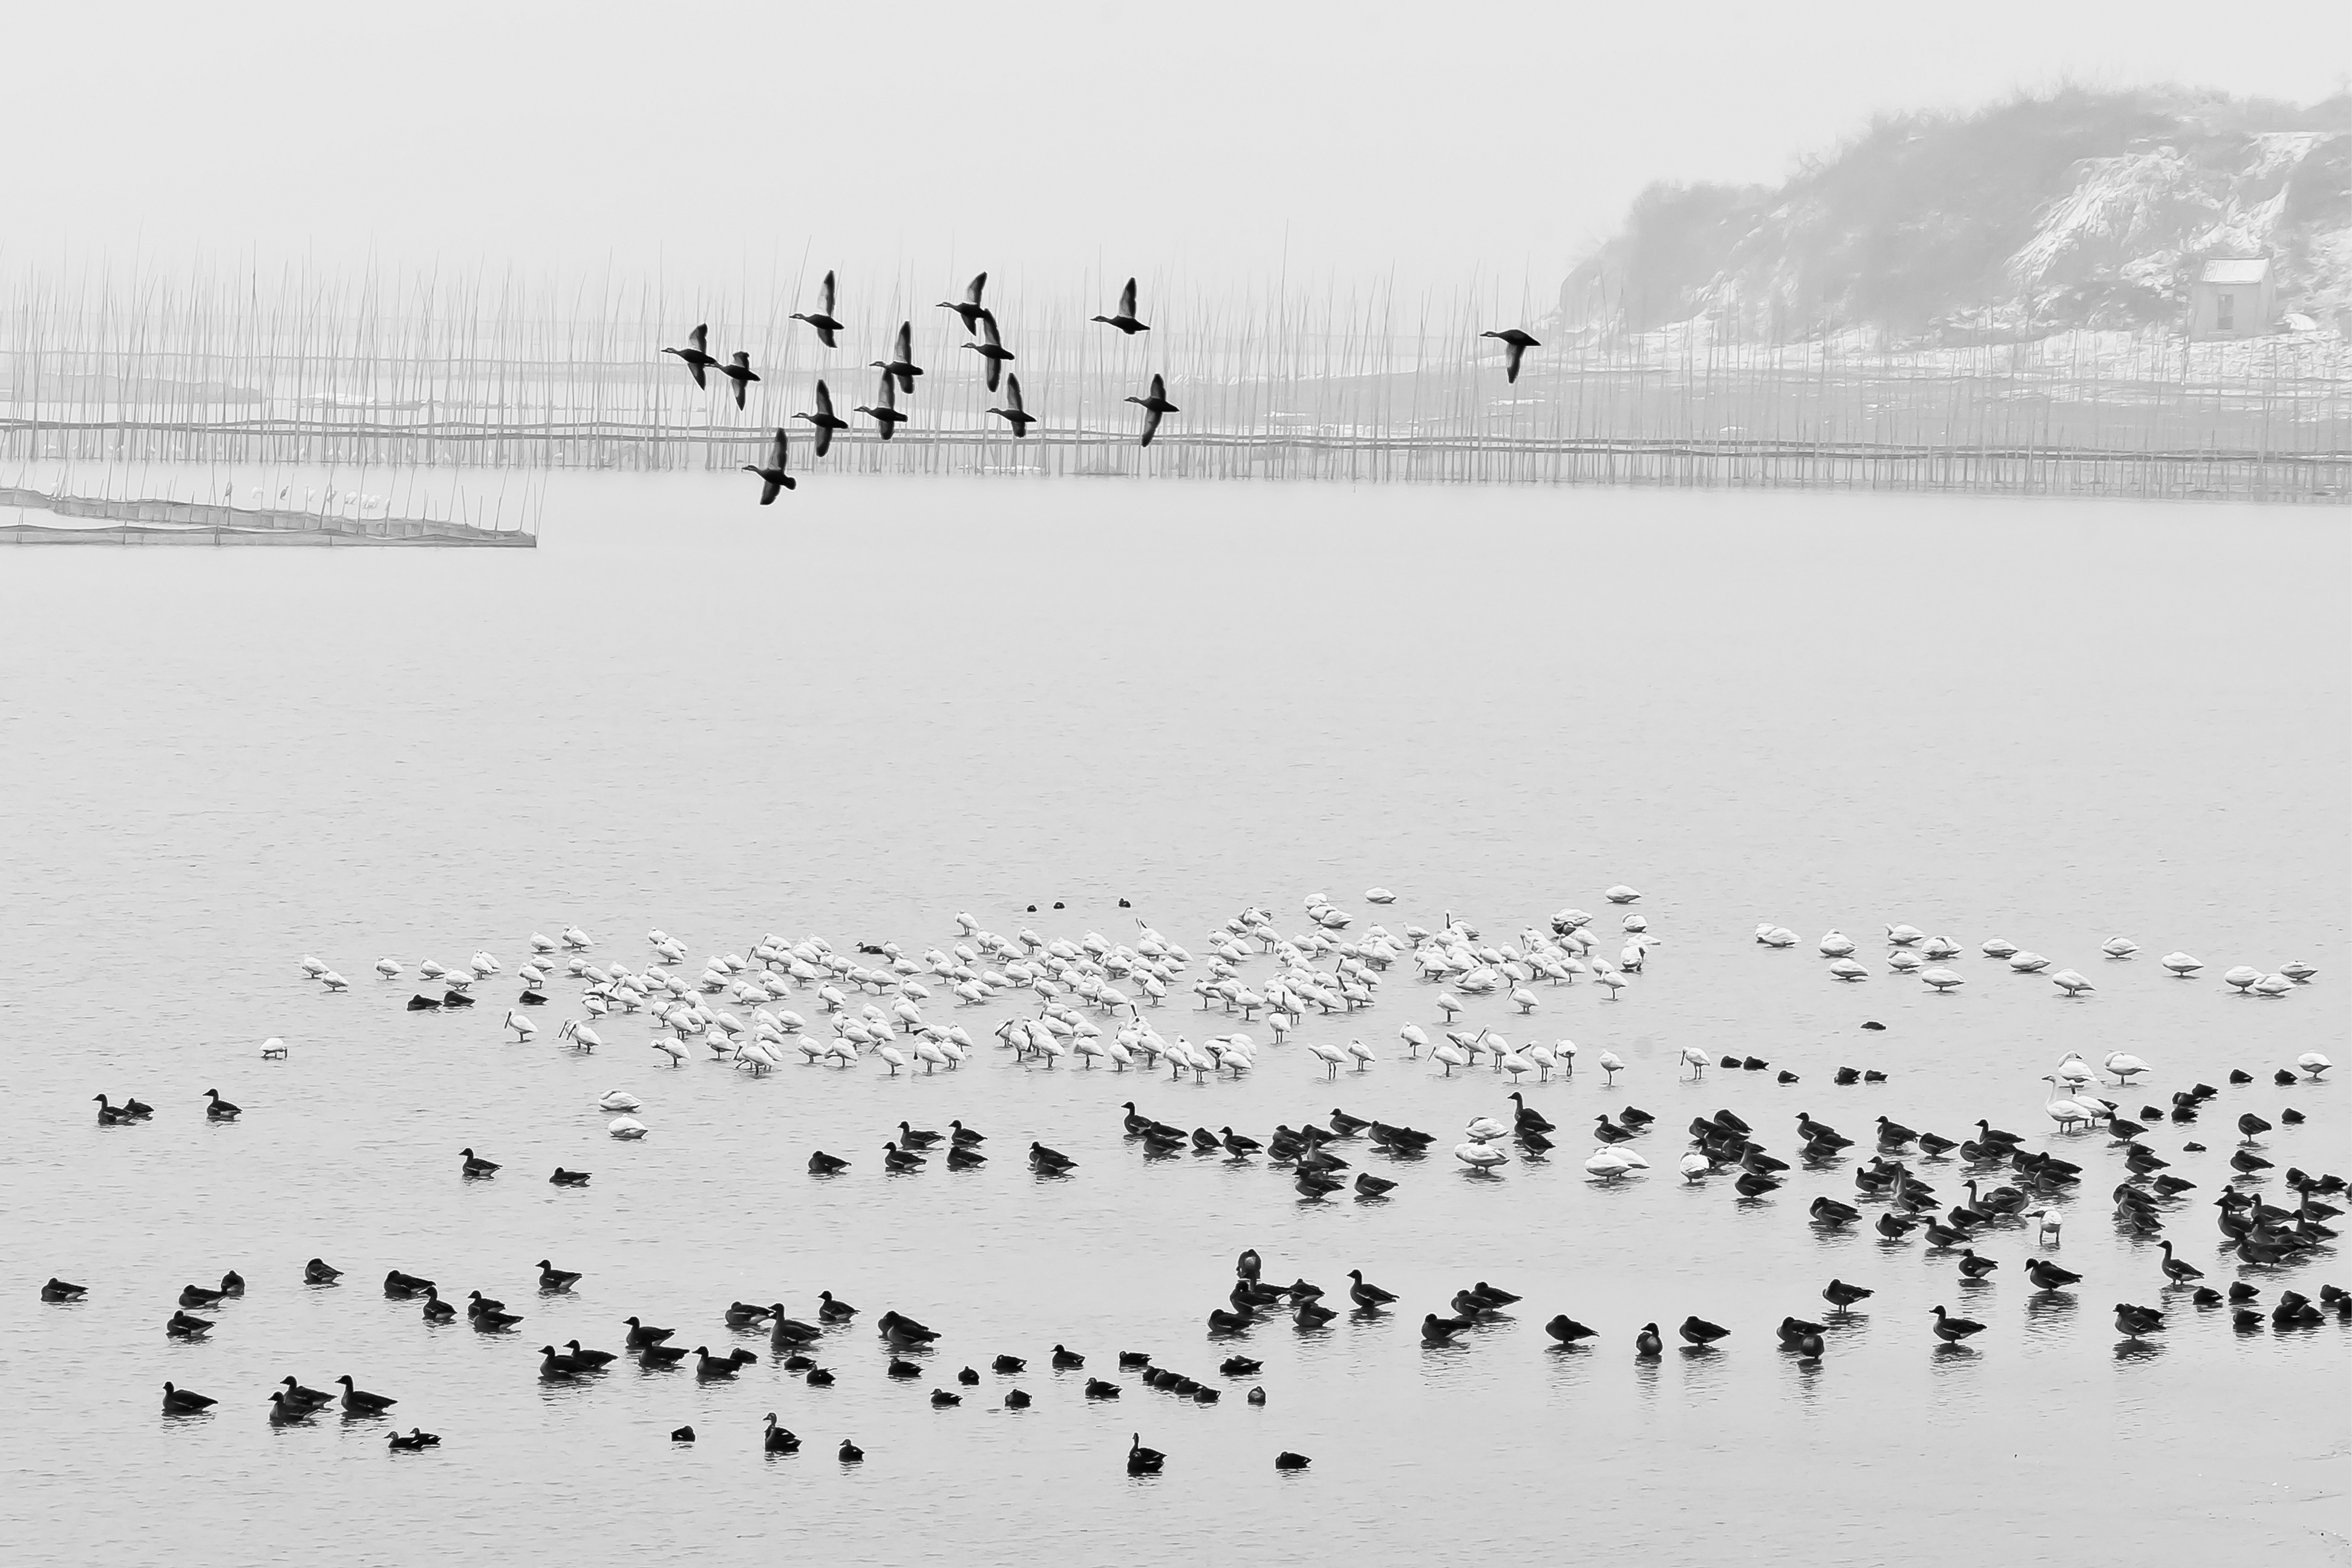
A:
1415, 1038
1691, 1056
1452, 1055
2271, 985
1610, 979
620, 1100
670, 1048
1694, 1167
576, 939
541, 944
1607, 1165
2028, 963
2241, 976
1942, 980
311, 967
2312, 1064
2119, 947
1610, 1065
2298, 971
1775, 936
1903, 961
1379, 896
1622, 894
1905, 935
626, 1127
2070, 982
334, 981
1837, 944
430, 970
1485, 1128
388, 968
1362, 1054
1482, 1158
1848, 970
523, 1027
1524, 1000
2124, 1067
2181, 963
1997, 948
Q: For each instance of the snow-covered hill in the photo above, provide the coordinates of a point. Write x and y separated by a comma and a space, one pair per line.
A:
2081, 209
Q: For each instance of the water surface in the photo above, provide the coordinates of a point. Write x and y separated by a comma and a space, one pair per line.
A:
883, 702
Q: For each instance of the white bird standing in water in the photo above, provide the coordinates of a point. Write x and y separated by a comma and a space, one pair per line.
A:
523, 1027
1610, 1065
1480, 1157
2124, 1068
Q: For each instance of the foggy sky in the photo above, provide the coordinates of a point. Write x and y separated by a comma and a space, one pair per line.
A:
715, 137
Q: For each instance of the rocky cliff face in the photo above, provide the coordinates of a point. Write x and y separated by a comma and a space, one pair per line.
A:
2077, 210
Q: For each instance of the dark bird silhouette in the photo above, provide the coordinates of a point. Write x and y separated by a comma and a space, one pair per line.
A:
886, 416
1143, 1462
319, 1271
361, 1403
185, 1326
563, 1178
1516, 343
696, 354
822, 320
826, 423
1951, 1330
738, 369
1287, 1460
185, 1400
1700, 1332
824, 1165
1015, 413
552, 1278
968, 310
1125, 320
1647, 1344
1841, 1296
58, 1290
1567, 1329
778, 1440
901, 362
1153, 407
476, 1165
221, 1110
772, 478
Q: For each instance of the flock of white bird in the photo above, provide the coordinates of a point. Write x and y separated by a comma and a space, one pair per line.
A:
1914, 952
1089, 995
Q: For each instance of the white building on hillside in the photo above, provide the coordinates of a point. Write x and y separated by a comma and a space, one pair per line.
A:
2231, 298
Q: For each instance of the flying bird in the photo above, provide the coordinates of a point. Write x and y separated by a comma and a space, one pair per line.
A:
824, 418
1016, 416
993, 351
1125, 320
901, 362
1516, 343
970, 307
1153, 407
772, 478
823, 320
739, 371
698, 355
888, 416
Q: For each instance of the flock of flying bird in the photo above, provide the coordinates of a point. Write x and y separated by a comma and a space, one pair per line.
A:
899, 370
1320, 970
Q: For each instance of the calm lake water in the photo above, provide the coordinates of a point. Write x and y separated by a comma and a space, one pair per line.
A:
880, 703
